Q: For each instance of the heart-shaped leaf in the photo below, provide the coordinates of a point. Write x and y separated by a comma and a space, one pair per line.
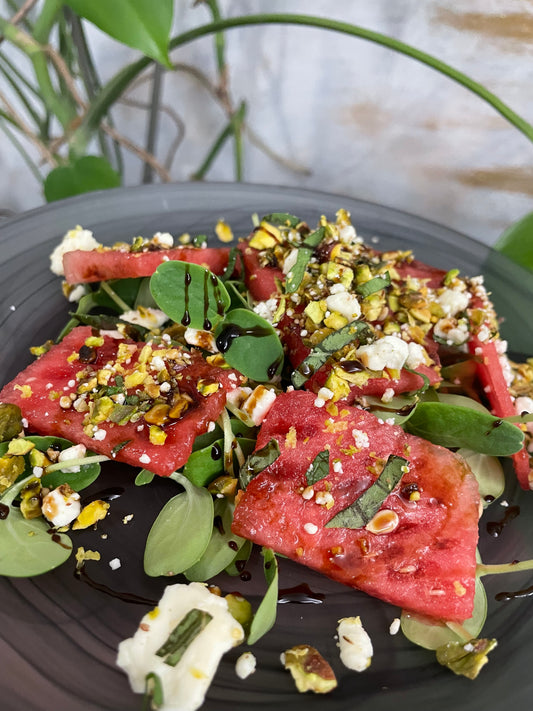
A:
141, 24
81, 176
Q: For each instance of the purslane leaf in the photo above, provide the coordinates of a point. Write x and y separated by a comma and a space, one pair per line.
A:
265, 615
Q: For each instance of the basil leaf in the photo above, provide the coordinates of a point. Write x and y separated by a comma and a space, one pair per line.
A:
283, 219
222, 547
368, 504
26, 547
372, 285
258, 461
233, 256
181, 532
357, 330
250, 344
187, 629
305, 252
456, 426
319, 468
265, 615
189, 294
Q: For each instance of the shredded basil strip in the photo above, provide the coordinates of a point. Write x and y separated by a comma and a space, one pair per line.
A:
372, 285
356, 330
183, 634
153, 695
283, 219
319, 468
258, 461
305, 252
230, 267
368, 504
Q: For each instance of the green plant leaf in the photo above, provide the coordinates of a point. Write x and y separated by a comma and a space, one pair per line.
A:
456, 426
181, 532
259, 460
223, 545
265, 615
319, 468
432, 634
81, 176
189, 294
368, 504
488, 472
517, 242
305, 252
250, 344
283, 219
140, 24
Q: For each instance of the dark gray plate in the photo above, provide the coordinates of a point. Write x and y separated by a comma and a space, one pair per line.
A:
58, 636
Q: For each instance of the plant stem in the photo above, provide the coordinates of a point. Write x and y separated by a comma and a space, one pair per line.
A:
117, 85
482, 569
217, 145
237, 121
153, 119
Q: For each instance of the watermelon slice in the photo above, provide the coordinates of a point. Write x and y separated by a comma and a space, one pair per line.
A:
109, 394
104, 264
426, 564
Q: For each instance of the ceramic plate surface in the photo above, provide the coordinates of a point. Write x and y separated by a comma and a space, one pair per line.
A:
59, 635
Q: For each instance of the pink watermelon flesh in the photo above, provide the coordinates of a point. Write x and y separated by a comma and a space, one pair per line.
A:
427, 564
95, 265
52, 375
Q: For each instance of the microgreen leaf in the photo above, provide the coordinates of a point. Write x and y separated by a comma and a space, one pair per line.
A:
319, 468
368, 504
488, 472
282, 219
355, 331
250, 344
222, 548
305, 252
153, 694
259, 460
144, 477
265, 615
26, 546
372, 285
456, 426
170, 547
189, 294
241, 558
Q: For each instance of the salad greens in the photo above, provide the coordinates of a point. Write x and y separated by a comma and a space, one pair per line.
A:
192, 533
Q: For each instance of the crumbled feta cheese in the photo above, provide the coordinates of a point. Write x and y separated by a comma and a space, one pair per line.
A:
290, 260
417, 355
345, 304
387, 395
266, 309
245, 665
453, 301
78, 238
163, 239
61, 506
185, 684
99, 435
144, 459
202, 339
451, 331
395, 626
115, 564
145, 316
347, 234
387, 352
310, 528
355, 645
361, 439
258, 403
77, 292
77, 451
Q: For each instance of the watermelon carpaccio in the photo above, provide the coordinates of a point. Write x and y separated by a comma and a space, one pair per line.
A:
421, 318
137, 403
427, 563
105, 263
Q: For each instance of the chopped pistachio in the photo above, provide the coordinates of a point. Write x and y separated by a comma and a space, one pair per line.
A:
10, 421
466, 659
309, 669
10, 470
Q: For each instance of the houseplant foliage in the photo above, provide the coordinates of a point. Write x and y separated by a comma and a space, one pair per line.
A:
62, 108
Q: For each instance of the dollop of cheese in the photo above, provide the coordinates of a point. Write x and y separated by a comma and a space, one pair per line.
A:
387, 352
354, 643
184, 685
78, 238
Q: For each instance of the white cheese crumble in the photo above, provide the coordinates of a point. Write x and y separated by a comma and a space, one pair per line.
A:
145, 316
452, 301
61, 508
245, 665
417, 355
78, 238
115, 564
395, 626
144, 458
184, 685
310, 528
361, 439
258, 403
354, 643
266, 309
387, 352
163, 239
77, 451
290, 260
202, 339
345, 304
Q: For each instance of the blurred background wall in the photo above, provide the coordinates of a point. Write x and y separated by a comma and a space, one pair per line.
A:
340, 114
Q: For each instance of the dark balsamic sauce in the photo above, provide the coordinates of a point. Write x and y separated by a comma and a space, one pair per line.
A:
233, 545
81, 574
245, 576
233, 331
4, 512
109, 494
216, 452
300, 594
495, 528
507, 596
186, 319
